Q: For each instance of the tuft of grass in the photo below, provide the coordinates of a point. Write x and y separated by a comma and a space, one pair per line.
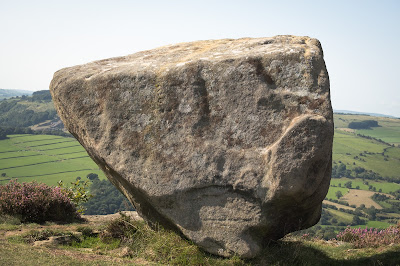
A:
158, 244
95, 243
8, 222
86, 231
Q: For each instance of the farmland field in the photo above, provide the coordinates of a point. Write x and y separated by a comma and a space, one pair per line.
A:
358, 197
366, 153
44, 158
371, 158
385, 186
389, 130
332, 192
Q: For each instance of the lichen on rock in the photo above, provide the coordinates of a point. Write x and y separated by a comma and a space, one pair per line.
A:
228, 142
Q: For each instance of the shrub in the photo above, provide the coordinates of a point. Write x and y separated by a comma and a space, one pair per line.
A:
86, 231
122, 228
78, 193
362, 238
34, 202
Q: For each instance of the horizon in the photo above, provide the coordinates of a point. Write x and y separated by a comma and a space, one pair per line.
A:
360, 39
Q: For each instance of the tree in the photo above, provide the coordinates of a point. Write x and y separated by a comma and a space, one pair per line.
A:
107, 199
371, 213
357, 220
3, 134
339, 194
92, 176
348, 184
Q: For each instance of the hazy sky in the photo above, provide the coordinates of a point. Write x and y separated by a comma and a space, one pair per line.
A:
361, 39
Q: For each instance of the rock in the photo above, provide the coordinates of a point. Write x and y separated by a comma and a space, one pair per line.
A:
228, 142
53, 241
125, 252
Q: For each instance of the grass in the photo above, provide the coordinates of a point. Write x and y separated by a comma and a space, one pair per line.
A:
44, 158
341, 216
332, 192
389, 135
22, 254
388, 132
162, 247
377, 224
386, 187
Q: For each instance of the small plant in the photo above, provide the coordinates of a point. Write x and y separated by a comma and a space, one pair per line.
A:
122, 228
8, 219
86, 231
35, 235
35, 202
78, 193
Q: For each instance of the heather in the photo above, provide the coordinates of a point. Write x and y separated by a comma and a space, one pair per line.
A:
364, 238
36, 202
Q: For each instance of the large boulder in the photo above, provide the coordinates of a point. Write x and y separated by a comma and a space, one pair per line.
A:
227, 141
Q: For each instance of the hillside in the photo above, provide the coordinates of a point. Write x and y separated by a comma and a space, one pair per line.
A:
365, 185
26, 111
90, 243
44, 158
388, 129
5, 94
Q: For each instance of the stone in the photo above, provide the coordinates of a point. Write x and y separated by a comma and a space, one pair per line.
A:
54, 241
228, 142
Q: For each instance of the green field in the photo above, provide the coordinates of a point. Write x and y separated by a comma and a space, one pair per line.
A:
44, 158
366, 153
341, 216
385, 186
332, 192
389, 130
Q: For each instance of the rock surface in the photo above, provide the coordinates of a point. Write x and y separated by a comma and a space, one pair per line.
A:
228, 142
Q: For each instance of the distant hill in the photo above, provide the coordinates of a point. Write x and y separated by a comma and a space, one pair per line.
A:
26, 111
5, 94
361, 113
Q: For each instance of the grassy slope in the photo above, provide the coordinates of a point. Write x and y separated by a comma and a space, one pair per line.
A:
166, 248
346, 146
5, 93
332, 192
385, 186
44, 158
388, 132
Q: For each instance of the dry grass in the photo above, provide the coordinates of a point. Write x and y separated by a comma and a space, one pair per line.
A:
347, 130
358, 197
339, 206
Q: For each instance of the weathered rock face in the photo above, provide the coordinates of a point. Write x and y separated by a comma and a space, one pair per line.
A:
227, 141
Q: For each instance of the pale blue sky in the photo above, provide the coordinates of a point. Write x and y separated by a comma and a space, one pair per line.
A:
361, 39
